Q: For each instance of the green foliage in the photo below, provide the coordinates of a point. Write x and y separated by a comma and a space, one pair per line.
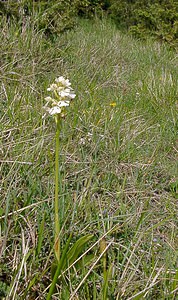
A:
58, 269
51, 16
89, 8
68, 257
77, 248
158, 18
174, 188
3, 289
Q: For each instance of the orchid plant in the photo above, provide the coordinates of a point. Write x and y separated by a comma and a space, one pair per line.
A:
61, 96
56, 105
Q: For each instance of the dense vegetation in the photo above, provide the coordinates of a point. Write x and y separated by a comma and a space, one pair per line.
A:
148, 17
158, 18
118, 158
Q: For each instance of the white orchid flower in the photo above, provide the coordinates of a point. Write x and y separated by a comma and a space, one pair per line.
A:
63, 81
62, 93
55, 110
63, 103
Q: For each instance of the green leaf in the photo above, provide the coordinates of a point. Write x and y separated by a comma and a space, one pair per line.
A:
86, 259
106, 278
174, 189
77, 248
59, 268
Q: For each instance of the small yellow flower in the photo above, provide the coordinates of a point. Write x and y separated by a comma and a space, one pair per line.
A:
113, 104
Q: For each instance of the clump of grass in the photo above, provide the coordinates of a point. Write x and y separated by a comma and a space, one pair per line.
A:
118, 164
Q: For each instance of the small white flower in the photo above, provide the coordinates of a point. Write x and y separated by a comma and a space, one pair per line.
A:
63, 81
55, 110
63, 103
53, 87
64, 94
71, 96
59, 79
67, 93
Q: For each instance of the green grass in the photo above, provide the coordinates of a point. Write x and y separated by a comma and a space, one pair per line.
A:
118, 164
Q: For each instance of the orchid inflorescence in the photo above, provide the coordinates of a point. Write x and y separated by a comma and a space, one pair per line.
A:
62, 94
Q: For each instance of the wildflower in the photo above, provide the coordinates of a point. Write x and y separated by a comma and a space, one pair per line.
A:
63, 81
55, 110
113, 104
62, 94
52, 100
63, 103
66, 93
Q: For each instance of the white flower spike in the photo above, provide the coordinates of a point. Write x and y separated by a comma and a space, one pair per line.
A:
62, 94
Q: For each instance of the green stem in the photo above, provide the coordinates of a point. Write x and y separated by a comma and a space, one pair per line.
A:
56, 201
59, 267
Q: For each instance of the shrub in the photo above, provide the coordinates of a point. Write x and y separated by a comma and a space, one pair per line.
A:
158, 18
52, 16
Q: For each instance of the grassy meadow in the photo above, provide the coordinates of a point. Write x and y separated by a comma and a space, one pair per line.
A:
118, 164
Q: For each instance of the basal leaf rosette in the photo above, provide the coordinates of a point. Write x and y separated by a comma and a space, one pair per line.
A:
61, 96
